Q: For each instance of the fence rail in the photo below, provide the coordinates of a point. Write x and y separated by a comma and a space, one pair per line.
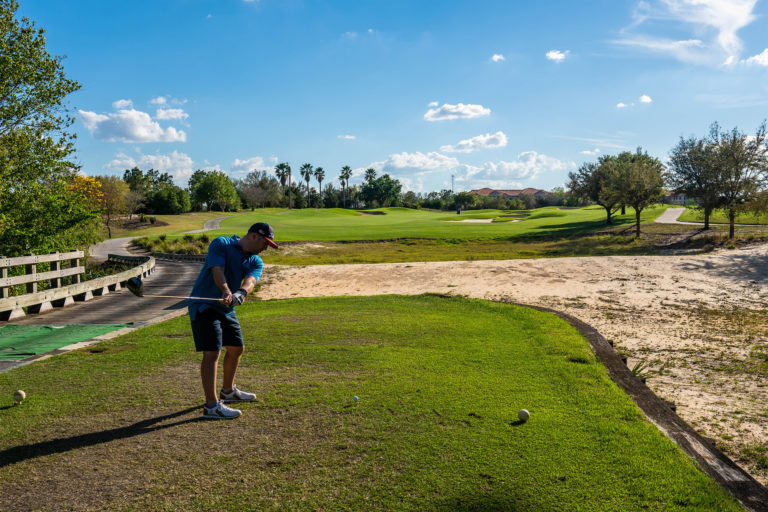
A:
60, 296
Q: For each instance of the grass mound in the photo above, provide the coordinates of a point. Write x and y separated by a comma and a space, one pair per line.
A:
439, 381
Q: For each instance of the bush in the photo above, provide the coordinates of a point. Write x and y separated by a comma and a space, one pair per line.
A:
204, 239
152, 219
142, 218
162, 237
189, 238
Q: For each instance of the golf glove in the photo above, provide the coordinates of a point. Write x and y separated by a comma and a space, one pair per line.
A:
238, 297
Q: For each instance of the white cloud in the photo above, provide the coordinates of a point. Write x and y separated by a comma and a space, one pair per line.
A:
527, 166
171, 113
487, 141
497, 57
346, 137
273, 159
349, 35
420, 162
160, 100
245, 166
645, 99
370, 31
122, 104
433, 104
621, 105
557, 55
129, 125
716, 24
590, 152
761, 59
177, 164
460, 111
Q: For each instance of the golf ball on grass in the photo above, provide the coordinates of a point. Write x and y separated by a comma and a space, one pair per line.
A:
523, 414
355, 398
19, 396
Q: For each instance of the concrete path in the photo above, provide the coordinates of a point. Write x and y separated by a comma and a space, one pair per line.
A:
169, 278
210, 225
671, 215
99, 252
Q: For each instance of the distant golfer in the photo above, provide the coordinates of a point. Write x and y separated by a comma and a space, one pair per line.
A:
232, 263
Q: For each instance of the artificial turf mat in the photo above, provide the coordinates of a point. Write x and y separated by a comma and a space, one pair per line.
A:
20, 341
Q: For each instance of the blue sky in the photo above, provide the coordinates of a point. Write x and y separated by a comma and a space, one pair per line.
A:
501, 94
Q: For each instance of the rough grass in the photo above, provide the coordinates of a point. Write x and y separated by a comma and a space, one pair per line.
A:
721, 217
440, 381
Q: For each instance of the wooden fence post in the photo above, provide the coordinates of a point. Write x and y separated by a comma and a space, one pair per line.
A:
75, 263
56, 265
31, 269
4, 275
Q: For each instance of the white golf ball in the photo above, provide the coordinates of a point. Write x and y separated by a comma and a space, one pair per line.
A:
355, 398
19, 396
523, 415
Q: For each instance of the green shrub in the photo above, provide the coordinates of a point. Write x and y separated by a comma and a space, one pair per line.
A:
189, 238
163, 237
152, 219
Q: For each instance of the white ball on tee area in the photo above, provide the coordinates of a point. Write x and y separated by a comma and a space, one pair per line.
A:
523, 415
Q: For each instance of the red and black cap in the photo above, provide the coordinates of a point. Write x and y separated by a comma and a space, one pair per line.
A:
265, 230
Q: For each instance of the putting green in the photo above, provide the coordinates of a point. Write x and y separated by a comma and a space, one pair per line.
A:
20, 341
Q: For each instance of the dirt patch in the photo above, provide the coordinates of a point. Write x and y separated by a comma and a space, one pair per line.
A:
481, 221
699, 321
372, 213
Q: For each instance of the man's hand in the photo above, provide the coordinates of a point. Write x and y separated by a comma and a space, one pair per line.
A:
238, 297
227, 297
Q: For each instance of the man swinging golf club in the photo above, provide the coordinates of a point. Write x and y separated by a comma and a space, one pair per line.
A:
232, 263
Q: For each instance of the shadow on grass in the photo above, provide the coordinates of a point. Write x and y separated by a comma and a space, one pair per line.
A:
31, 451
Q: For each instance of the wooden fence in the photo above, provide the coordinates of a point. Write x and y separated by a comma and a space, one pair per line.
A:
56, 295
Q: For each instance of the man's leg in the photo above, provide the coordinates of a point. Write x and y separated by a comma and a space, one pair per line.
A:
231, 362
208, 369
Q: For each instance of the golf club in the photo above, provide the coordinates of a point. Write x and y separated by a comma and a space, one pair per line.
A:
136, 287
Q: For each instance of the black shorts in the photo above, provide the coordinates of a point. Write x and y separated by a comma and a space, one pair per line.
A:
212, 330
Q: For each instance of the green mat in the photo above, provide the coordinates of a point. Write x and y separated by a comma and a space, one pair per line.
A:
20, 341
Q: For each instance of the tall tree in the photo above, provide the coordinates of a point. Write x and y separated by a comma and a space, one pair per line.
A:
306, 173
346, 173
114, 191
692, 171
319, 176
217, 191
38, 211
590, 182
638, 182
370, 174
281, 171
742, 162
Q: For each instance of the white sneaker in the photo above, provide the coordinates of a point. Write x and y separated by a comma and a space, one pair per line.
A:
220, 412
236, 396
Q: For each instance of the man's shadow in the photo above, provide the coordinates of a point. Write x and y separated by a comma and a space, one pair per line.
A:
31, 451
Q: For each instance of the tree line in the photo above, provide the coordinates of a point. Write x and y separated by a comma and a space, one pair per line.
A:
725, 169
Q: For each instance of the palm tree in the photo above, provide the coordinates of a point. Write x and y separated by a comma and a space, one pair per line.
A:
290, 197
346, 173
319, 175
370, 174
306, 173
281, 171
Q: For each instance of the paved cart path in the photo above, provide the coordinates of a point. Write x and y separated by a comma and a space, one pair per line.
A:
210, 225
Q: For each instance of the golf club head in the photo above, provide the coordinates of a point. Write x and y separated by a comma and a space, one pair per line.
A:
135, 286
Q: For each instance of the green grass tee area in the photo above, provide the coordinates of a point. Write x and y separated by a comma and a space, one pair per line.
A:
439, 381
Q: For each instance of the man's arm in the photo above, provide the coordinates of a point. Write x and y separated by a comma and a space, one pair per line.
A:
221, 282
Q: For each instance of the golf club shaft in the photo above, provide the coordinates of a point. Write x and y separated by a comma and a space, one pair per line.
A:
177, 297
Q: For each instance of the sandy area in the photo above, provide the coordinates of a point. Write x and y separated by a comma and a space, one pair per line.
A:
667, 311
481, 221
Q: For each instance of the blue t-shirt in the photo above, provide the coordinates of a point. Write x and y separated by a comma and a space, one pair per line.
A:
223, 252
